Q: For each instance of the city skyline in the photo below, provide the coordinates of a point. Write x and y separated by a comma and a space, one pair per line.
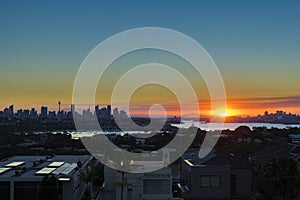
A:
12, 110
255, 45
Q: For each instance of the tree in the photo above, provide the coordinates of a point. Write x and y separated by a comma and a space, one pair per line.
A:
282, 179
91, 176
97, 174
86, 177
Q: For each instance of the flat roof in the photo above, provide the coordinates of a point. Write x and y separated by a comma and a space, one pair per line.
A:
61, 169
69, 169
14, 164
45, 171
35, 163
4, 169
56, 164
66, 169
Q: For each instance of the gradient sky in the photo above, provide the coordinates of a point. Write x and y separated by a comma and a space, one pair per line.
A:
255, 44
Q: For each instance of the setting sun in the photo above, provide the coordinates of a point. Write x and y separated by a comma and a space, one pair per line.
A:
223, 114
228, 112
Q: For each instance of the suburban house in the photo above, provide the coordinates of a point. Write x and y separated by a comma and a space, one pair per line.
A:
217, 176
135, 186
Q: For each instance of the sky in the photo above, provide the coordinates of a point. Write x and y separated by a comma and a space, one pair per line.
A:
255, 44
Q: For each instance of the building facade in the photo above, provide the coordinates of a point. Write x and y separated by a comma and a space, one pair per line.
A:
218, 176
136, 186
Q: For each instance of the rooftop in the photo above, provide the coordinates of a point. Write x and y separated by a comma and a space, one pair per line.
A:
267, 154
35, 167
216, 158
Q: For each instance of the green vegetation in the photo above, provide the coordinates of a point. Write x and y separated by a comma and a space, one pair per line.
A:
282, 179
92, 176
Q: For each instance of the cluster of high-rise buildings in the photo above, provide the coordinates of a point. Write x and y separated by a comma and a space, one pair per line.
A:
46, 114
279, 117
32, 114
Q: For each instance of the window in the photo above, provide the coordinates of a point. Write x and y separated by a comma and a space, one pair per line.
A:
210, 181
215, 181
205, 181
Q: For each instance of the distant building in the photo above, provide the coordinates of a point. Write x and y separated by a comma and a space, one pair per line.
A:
11, 110
116, 113
97, 110
109, 110
60, 115
103, 113
73, 108
33, 114
20, 114
217, 176
87, 114
123, 114
6, 112
21, 177
26, 113
44, 111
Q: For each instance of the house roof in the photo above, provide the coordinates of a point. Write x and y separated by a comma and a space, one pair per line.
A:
295, 150
217, 158
28, 170
269, 153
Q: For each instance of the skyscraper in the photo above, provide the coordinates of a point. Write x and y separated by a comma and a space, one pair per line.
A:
73, 108
44, 111
109, 110
116, 113
97, 110
11, 110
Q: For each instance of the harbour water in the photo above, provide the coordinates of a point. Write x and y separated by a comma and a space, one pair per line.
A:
232, 126
187, 124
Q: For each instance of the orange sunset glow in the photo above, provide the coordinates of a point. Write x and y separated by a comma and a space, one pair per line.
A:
254, 81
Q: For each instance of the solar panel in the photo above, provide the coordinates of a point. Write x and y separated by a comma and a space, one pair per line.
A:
66, 169
45, 171
4, 169
56, 164
14, 164
61, 169
69, 169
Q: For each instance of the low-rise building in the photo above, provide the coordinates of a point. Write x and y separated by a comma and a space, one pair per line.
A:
23, 177
134, 186
217, 176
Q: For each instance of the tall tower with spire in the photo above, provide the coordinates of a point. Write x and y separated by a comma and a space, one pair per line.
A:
59, 106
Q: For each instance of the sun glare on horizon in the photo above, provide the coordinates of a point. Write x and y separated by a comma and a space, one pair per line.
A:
223, 114
228, 112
